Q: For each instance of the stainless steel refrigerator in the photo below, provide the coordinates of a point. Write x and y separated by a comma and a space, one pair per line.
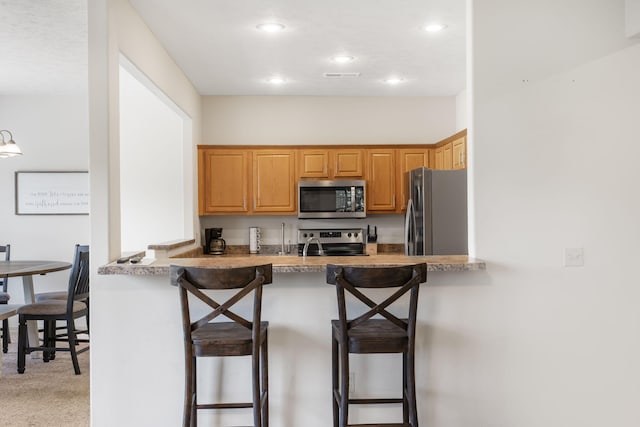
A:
436, 218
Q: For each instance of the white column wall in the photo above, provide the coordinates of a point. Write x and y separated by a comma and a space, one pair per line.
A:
115, 29
554, 135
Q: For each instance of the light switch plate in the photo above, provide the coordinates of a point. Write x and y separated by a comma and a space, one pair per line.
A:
573, 257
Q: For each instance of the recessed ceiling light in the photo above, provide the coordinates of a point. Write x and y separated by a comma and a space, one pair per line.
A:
270, 27
434, 27
393, 80
342, 59
276, 80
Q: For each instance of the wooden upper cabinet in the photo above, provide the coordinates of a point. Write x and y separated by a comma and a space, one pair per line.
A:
381, 180
438, 158
448, 156
274, 181
223, 181
409, 159
460, 153
330, 163
313, 163
347, 163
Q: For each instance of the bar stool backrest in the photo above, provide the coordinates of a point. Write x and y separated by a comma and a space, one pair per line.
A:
404, 278
193, 280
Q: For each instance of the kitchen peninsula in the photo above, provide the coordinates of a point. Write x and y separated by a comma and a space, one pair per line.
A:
298, 305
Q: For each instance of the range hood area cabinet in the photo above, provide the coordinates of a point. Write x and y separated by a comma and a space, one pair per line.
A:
246, 181
331, 163
259, 180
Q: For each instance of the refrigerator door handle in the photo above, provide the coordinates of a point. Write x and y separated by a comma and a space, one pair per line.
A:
408, 223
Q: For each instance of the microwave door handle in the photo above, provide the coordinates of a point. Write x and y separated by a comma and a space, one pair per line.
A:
353, 199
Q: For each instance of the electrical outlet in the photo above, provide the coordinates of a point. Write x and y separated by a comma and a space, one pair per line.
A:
573, 257
352, 382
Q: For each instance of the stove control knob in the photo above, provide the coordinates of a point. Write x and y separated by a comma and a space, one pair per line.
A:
355, 234
310, 234
304, 235
349, 235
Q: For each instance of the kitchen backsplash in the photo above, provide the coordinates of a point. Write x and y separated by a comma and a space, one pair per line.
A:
235, 229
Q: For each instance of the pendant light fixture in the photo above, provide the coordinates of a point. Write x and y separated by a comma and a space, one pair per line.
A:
8, 147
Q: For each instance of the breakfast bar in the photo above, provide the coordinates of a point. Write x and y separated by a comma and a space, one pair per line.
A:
298, 305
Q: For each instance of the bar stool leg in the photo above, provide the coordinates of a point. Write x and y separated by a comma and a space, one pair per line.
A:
189, 383
255, 382
334, 381
405, 389
194, 393
411, 388
265, 381
344, 388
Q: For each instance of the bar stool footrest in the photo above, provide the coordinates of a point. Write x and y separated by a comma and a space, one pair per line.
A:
380, 425
373, 401
223, 405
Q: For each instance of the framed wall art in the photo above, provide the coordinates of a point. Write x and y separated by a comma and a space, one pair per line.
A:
52, 192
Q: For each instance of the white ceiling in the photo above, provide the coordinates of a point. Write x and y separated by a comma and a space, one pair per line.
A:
43, 46
215, 42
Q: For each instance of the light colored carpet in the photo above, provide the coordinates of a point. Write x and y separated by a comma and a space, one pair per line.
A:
47, 394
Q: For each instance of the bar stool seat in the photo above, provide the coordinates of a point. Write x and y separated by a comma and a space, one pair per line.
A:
224, 339
374, 336
204, 337
376, 330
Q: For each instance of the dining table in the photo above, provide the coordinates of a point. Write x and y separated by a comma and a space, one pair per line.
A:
26, 270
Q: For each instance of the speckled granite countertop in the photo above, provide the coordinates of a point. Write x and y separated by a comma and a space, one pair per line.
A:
292, 263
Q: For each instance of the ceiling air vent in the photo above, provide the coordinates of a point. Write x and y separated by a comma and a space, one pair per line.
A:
340, 75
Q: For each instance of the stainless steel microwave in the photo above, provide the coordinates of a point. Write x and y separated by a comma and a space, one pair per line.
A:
332, 199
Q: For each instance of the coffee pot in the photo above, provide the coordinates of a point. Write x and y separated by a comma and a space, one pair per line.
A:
214, 243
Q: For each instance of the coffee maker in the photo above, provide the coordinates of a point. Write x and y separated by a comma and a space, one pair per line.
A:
214, 243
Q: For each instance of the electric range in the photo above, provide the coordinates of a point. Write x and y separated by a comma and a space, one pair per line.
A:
334, 241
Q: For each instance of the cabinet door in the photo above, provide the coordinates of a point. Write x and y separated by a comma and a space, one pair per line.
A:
438, 158
347, 163
381, 180
223, 181
460, 153
448, 156
274, 181
409, 159
313, 163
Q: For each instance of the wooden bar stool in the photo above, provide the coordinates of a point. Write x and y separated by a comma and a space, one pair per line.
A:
365, 334
240, 337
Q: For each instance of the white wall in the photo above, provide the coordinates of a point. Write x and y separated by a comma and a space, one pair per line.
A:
52, 131
555, 149
304, 120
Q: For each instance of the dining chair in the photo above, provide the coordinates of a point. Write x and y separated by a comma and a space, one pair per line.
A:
376, 330
62, 295
239, 337
52, 311
4, 299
